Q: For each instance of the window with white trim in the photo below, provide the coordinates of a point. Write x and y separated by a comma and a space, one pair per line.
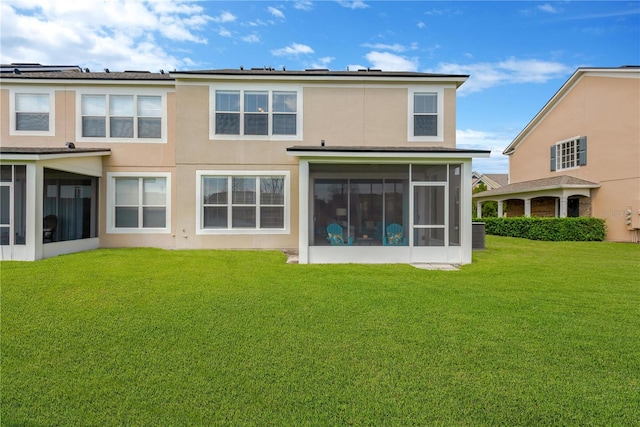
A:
569, 154
255, 113
32, 112
239, 202
139, 202
426, 121
122, 117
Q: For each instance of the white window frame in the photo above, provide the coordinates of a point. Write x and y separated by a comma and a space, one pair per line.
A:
111, 203
439, 91
574, 161
243, 88
12, 111
107, 92
200, 174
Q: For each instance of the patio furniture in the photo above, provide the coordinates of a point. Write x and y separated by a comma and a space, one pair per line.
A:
394, 236
335, 236
49, 224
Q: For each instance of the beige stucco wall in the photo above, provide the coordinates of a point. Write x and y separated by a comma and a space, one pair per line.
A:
607, 111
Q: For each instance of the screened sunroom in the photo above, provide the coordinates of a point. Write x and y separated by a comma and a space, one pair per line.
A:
360, 206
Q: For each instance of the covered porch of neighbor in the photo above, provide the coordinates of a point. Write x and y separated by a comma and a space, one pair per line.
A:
49, 201
561, 196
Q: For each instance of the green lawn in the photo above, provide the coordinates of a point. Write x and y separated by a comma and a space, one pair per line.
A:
531, 333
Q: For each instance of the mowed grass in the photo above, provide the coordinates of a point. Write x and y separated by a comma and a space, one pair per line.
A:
531, 333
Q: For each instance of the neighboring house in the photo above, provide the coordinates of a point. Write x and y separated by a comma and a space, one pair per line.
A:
235, 159
580, 155
490, 180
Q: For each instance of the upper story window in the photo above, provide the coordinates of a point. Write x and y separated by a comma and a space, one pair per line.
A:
122, 117
259, 113
32, 112
569, 154
426, 119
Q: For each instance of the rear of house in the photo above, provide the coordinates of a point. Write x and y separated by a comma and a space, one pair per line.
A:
351, 166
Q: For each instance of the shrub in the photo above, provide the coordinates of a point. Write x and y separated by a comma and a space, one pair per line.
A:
551, 229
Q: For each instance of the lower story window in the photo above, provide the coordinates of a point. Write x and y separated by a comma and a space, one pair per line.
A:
140, 203
242, 202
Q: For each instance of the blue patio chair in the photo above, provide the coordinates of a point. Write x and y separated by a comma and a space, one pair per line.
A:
394, 236
335, 236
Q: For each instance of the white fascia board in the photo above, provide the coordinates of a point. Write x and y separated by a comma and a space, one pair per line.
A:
36, 157
323, 155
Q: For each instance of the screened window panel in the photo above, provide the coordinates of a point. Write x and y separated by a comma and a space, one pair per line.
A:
5, 207
4, 235
127, 191
429, 173
227, 100
32, 102
155, 192
94, 126
215, 217
32, 121
425, 103
271, 191
120, 127
154, 217
121, 105
94, 105
428, 205
428, 237
149, 127
150, 106
126, 217
256, 124
243, 217
227, 124
284, 124
425, 125
285, 102
271, 217
244, 190
256, 102
214, 190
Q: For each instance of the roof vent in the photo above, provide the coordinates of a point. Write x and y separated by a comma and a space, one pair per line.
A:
106, 70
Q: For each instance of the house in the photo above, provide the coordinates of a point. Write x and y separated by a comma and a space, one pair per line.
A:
490, 180
580, 155
236, 159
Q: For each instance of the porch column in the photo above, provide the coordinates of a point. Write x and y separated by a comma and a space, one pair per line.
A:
303, 212
563, 207
479, 209
500, 209
527, 207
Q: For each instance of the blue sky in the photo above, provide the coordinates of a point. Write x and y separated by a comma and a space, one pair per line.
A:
518, 53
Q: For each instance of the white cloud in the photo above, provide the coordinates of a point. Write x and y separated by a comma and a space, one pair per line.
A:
481, 140
224, 17
251, 38
485, 75
547, 8
381, 46
355, 4
303, 5
389, 62
276, 12
421, 24
97, 34
294, 49
322, 62
223, 32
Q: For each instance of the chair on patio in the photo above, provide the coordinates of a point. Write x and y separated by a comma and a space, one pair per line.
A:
49, 224
394, 236
335, 236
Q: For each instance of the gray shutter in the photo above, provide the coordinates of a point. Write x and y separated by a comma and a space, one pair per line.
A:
582, 151
553, 158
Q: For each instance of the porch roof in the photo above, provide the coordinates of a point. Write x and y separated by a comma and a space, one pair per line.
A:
560, 182
384, 152
41, 153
